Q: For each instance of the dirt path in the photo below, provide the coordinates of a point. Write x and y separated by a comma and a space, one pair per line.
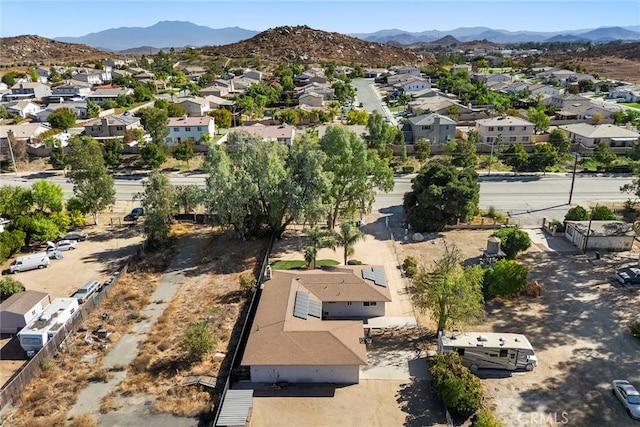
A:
123, 353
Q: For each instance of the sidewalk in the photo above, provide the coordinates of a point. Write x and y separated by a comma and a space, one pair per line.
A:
126, 349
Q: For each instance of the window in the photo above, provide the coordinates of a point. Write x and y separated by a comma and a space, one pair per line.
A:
524, 128
491, 128
187, 129
490, 139
199, 128
512, 128
370, 303
349, 303
460, 351
119, 128
503, 353
512, 139
176, 130
525, 139
428, 127
500, 128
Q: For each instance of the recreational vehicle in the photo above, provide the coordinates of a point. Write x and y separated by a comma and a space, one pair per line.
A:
41, 329
489, 350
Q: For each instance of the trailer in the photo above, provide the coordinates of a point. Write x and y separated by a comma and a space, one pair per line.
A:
40, 330
486, 350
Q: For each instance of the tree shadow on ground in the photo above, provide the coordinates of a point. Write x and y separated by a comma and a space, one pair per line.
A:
421, 404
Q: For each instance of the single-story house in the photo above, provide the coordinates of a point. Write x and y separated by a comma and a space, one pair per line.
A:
589, 136
99, 96
600, 235
79, 107
292, 338
20, 308
22, 132
23, 108
283, 133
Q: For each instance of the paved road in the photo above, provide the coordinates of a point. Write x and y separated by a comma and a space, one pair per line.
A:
370, 98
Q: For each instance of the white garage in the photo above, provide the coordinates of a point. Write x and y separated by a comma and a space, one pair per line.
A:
20, 308
306, 374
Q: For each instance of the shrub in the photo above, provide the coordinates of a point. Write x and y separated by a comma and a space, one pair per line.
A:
410, 266
634, 328
354, 262
9, 286
198, 341
459, 389
408, 169
577, 213
560, 226
603, 213
99, 376
505, 278
84, 420
486, 418
513, 241
247, 284
497, 215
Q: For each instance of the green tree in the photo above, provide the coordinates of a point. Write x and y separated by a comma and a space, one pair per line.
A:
198, 341
459, 389
176, 110
347, 238
603, 213
15, 201
9, 78
513, 241
9, 286
452, 294
463, 153
154, 121
515, 156
43, 229
422, 149
538, 117
504, 279
47, 196
356, 171
560, 140
379, 133
33, 74
358, 117
92, 184
543, 157
634, 152
184, 151
93, 109
318, 239
113, 152
188, 197
577, 213
142, 93
158, 200
604, 154
63, 118
11, 242
153, 155
441, 195
222, 118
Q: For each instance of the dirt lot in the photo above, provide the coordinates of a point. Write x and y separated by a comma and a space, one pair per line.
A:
578, 329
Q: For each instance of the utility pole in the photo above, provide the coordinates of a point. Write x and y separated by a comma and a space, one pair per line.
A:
573, 178
10, 140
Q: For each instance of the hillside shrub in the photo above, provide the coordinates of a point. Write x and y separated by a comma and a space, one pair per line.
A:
247, 284
410, 266
486, 418
459, 389
198, 341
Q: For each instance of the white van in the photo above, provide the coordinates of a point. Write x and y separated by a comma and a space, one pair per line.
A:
30, 262
84, 292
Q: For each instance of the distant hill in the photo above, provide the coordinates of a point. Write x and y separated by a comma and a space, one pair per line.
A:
161, 35
610, 34
283, 44
31, 49
566, 38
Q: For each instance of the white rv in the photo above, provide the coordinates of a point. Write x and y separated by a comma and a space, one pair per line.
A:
29, 262
485, 350
40, 330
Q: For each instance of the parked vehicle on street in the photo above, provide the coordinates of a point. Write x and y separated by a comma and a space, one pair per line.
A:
30, 262
78, 236
628, 275
628, 396
85, 291
135, 214
486, 350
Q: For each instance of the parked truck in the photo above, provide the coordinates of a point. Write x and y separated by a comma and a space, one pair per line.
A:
41, 329
30, 262
480, 350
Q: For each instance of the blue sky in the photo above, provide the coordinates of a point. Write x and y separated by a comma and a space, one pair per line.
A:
75, 18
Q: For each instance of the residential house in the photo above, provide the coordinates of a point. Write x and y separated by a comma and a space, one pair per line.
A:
20, 309
462, 67
79, 107
510, 129
182, 128
216, 102
44, 74
241, 83
342, 69
214, 89
29, 90
588, 136
23, 132
414, 84
327, 92
93, 76
196, 106
490, 77
144, 76
193, 73
582, 111
312, 99
112, 126
120, 74
305, 327
99, 96
435, 104
253, 74
283, 133
562, 100
625, 93
414, 71
24, 108
543, 89
373, 73
70, 90
438, 129
600, 235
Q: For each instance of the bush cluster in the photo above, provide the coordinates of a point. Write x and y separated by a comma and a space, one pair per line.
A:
410, 266
505, 278
458, 388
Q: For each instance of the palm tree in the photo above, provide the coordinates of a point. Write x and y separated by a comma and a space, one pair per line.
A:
318, 239
348, 236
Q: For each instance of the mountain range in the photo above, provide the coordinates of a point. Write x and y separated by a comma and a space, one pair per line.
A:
178, 34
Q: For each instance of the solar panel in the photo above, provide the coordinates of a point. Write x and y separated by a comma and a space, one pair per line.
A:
379, 277
315, 308
301, 305
367, 274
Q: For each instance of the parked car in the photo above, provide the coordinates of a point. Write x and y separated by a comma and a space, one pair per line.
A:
628, 396
135, 214
78, 236
66, 245
628, 275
